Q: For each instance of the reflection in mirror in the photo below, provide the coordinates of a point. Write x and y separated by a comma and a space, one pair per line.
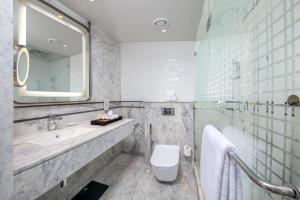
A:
22, 66
56, 59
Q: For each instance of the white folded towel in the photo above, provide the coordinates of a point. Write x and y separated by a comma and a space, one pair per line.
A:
171, 96
219, 175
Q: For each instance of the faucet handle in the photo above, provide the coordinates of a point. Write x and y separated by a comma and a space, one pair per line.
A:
51, 125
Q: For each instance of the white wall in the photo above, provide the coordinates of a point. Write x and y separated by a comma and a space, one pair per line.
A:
149, 69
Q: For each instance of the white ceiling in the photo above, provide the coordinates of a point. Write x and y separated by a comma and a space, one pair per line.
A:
131, 20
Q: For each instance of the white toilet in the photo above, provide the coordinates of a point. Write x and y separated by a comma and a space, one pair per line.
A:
165, 162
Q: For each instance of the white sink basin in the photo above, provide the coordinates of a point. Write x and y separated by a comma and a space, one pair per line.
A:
58, 136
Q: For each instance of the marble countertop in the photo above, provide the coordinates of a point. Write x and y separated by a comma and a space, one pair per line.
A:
27, 155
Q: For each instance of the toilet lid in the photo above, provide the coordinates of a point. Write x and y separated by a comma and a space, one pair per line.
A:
165, 156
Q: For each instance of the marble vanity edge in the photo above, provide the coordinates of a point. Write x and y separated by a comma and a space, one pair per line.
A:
34, 182
18, 170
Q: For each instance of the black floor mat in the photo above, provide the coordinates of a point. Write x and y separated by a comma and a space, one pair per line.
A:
93, 191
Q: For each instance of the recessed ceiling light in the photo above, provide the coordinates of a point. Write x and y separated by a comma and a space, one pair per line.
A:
54, 41
161, 24
57, 43
92, 0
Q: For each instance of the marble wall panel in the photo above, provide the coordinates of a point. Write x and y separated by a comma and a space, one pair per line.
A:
135, 143
173, 130
39, 126
106, 68
82, 177
178, 129
6, 98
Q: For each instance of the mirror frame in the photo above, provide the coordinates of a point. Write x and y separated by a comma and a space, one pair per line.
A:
55, 14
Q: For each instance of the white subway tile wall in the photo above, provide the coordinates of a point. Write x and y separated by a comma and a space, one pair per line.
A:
150, 69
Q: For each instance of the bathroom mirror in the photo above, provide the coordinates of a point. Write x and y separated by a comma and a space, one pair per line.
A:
58, 55
21, 66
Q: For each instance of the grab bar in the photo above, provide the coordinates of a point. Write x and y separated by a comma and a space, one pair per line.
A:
290, 191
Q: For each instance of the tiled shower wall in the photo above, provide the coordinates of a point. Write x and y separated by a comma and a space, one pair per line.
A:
248, 62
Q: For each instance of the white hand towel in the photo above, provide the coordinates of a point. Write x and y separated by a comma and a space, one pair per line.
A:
219, 176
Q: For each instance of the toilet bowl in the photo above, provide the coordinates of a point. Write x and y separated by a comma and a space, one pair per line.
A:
165, 162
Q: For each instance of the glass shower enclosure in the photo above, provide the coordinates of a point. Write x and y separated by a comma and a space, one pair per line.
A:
248, 64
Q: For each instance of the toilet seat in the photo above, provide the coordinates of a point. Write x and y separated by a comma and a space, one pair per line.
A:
165, 156
165, 162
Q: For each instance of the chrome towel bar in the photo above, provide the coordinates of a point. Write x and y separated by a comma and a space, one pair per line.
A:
290, 191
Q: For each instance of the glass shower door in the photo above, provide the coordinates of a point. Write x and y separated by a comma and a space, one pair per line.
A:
248, 58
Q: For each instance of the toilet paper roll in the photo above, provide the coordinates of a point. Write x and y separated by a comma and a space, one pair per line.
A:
187, 151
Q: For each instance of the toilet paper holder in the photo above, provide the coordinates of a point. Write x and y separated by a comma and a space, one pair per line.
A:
187, 151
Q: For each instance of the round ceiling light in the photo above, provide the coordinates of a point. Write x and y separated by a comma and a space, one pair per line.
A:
57, 42
161, 24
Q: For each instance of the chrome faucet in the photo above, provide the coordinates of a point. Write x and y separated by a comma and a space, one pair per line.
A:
52, 125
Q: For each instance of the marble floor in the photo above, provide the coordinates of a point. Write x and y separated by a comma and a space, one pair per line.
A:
130, 178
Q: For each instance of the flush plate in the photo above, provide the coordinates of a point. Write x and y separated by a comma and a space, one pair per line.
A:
168, 111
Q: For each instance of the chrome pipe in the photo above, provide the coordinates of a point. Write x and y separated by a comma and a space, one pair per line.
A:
290, 191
